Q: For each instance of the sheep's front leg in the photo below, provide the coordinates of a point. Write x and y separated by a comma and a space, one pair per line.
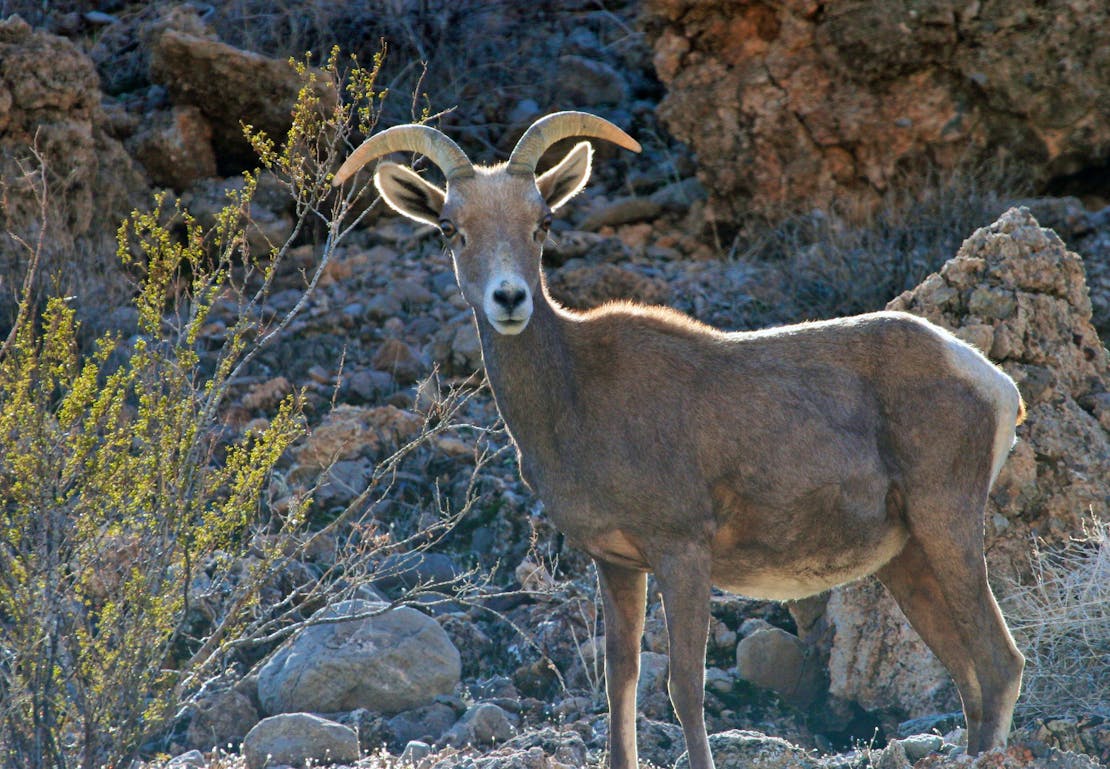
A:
683, 578
624, 596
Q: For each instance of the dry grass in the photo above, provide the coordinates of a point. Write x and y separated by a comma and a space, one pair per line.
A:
1061, 621
830, 268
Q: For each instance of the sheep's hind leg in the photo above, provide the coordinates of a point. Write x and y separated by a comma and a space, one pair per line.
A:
946, 598
624, 596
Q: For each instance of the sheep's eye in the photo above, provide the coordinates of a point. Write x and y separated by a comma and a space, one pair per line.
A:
544, 228
447, 228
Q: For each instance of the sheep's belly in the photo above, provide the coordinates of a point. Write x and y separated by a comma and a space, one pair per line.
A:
799, 577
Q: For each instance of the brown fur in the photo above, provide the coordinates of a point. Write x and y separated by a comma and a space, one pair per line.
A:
776, 463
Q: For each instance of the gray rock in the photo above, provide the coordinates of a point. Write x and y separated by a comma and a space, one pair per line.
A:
405, 571
564, 746
269, 222
387, 663
194, 759
738, 749
368, 385
466, 347
679, 196
589, 82
780, 661
573, 244
427, 723
525, 111
718, 681
220, 718
482, 724
877, 660
992, 303
297, 739
415, 752
382, 306
934, 722
753, 625
653, 674
920, 745
622, 211
660, 743
410, 293
893, 757
343, 481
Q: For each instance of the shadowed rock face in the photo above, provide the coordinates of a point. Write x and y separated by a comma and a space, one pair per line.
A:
1015, 291
50, 99
797, 104
229, 86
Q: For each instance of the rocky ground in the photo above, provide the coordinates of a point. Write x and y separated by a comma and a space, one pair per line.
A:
517, 681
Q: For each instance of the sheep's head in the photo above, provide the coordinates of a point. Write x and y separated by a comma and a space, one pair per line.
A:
495, 219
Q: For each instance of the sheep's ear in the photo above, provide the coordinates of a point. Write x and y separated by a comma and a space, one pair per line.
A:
409, 194
567, 179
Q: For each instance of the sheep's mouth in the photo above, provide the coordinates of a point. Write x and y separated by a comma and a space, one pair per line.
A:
509, 326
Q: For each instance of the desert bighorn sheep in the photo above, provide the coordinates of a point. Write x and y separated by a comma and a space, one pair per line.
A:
775, 464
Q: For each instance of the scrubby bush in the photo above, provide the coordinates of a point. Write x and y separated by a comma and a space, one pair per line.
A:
1061, 621
831, 267
137, 544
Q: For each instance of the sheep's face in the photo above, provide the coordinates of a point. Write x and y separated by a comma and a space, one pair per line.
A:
495, 224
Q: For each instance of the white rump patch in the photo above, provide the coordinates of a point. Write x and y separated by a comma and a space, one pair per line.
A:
994, 385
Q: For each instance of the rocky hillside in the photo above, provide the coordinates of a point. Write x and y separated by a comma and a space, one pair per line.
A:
794, 105
806, 104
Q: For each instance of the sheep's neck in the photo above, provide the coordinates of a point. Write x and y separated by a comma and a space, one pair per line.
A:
532, 377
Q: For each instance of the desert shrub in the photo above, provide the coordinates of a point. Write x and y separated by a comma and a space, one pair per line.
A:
1061, 621
830, 267
138, 550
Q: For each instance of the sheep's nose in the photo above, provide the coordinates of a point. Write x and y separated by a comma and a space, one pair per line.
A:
510, 297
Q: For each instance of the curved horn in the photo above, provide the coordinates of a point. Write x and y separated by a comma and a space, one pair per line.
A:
426, 140
561, 125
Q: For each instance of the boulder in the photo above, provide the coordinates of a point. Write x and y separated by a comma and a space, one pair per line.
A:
1023, 294
878, 661
301, 740
1020, 284
230, 86
777, 660
660, 742
192, 759
398, 358
794, 105
739, 749
219, 719
482, 724
423, 724
386, 663
653, 675
175, 147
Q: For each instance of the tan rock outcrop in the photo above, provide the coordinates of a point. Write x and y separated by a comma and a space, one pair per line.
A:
1017, 292
50, 99
795, 104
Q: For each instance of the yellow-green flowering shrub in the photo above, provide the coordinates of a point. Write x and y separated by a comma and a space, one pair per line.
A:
118, 488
